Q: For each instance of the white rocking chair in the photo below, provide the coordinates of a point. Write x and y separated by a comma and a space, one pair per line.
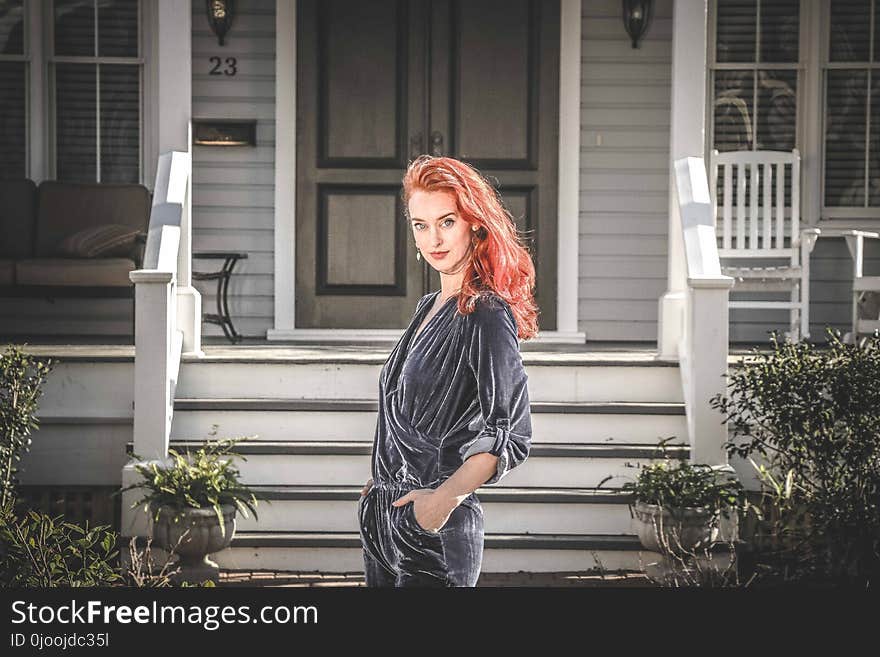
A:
749, 233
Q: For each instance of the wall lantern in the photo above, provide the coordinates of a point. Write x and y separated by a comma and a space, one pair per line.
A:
636, 17
220, 14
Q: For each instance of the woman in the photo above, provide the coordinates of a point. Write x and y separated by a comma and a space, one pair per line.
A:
453, 400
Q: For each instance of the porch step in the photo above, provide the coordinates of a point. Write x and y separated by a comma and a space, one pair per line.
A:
339, 552
348, 462
506, 509
296, 420
330, 376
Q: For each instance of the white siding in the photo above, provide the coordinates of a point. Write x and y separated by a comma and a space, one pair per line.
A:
625, 104
233, 188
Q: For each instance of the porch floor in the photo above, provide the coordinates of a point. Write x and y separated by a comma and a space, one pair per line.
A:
255, 349
628, 579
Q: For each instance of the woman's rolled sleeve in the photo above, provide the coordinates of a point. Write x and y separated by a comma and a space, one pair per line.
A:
505, 424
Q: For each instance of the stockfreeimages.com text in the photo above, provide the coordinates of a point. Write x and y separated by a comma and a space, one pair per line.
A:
210, 617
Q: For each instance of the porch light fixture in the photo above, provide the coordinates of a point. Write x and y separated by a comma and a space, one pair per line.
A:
220, 14
636, 18
225, 132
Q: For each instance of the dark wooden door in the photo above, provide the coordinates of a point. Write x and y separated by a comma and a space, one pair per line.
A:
383, 81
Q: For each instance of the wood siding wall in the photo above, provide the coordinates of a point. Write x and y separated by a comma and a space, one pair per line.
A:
625, 101
233, 188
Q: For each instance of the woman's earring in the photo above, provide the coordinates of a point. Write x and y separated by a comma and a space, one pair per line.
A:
418, 254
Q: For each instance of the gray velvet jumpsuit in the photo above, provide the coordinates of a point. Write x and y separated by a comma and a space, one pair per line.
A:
457, 389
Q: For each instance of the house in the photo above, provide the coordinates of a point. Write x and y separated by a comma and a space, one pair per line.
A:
582, 133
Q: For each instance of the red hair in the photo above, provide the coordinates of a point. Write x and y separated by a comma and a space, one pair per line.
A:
501, 263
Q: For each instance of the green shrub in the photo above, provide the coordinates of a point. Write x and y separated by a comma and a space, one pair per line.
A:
814, 416
21, 381
43, 551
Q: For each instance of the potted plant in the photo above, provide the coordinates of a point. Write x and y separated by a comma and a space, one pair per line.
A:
681, 506
678, 508
193, 502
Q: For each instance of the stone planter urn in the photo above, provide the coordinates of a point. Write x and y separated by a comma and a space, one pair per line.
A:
691, 528
205, 537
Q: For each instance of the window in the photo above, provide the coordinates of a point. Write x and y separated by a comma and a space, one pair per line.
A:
852, 106
754, 75
13, 90
754, 67
96, 81
773, 62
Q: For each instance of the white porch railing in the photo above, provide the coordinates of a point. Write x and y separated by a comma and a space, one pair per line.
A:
703, 347
158, 336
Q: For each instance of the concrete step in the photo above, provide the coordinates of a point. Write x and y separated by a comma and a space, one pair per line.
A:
332, 376
507, 510
355, 420
348, 463
341, 552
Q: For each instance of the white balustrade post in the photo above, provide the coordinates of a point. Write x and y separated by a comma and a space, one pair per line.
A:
157, 337
152, 420
707, 328
706, 313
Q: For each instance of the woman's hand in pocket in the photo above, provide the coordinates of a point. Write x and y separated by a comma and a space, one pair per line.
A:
367, 487
434, 509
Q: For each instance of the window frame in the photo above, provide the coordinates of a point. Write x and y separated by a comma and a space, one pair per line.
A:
813, 52
40, 96
754, 67
843, 212
53, 59
25, 58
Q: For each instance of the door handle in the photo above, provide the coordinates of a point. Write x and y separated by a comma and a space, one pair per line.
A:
416, 145
436, 143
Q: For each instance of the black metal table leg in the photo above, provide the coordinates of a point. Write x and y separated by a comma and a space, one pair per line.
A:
222, 317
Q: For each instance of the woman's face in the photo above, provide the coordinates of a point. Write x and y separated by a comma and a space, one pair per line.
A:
441, 234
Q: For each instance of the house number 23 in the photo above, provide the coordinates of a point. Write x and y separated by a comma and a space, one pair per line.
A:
231, 66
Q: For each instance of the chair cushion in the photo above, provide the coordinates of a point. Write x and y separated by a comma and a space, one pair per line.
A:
18, 213
7, 271
74, 271
66, 208
107, 241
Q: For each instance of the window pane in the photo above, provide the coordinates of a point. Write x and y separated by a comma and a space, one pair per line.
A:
12, 122
118, 28
850, 31
75, 27
876, 30
777, 110
846, 107
736, 29
11, 27
874, 170
120, 123
780, 30
733, 110
76, 124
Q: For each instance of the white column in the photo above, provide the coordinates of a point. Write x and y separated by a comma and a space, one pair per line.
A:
174, 110
285, 170
569, 171
687, 138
